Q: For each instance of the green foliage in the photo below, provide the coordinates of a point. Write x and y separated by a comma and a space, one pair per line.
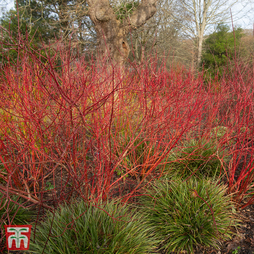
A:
2, 173
200, 156
15, 212
84, 228
33, 20
125, 10
30, 25
188, 214
219, 48
236, 251
219, 132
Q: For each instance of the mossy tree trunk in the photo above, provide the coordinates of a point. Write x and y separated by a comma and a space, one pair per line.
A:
111, 31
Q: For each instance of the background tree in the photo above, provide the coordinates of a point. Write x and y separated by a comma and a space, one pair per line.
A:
160, 34
69, 21
112, 30
66, 16
220, 48
172, 29
201, 15
56, 19
26, 24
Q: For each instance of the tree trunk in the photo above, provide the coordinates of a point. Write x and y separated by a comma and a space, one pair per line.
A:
111, 36
199, 11
200, 47
111, 32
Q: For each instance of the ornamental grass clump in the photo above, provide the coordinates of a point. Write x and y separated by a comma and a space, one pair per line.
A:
92, 228
198, 157
186, 215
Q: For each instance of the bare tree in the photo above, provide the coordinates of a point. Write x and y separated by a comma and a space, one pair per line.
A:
86, 21
65, 14
201, 14
111, 31
158, 35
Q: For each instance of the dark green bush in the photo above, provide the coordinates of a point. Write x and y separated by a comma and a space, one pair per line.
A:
219, 49
85, 228
188, 214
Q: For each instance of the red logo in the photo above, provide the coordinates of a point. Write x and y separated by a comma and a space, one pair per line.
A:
18, 236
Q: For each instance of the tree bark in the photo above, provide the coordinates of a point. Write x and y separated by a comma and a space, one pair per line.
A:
111, 32
201, 22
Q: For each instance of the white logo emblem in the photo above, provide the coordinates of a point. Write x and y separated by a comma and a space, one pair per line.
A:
18, 237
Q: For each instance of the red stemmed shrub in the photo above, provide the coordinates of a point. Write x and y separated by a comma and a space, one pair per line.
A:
71, 128
83, 122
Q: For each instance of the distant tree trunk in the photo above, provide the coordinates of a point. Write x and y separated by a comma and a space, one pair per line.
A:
111, 32
200, 27
200, 14
200, 47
